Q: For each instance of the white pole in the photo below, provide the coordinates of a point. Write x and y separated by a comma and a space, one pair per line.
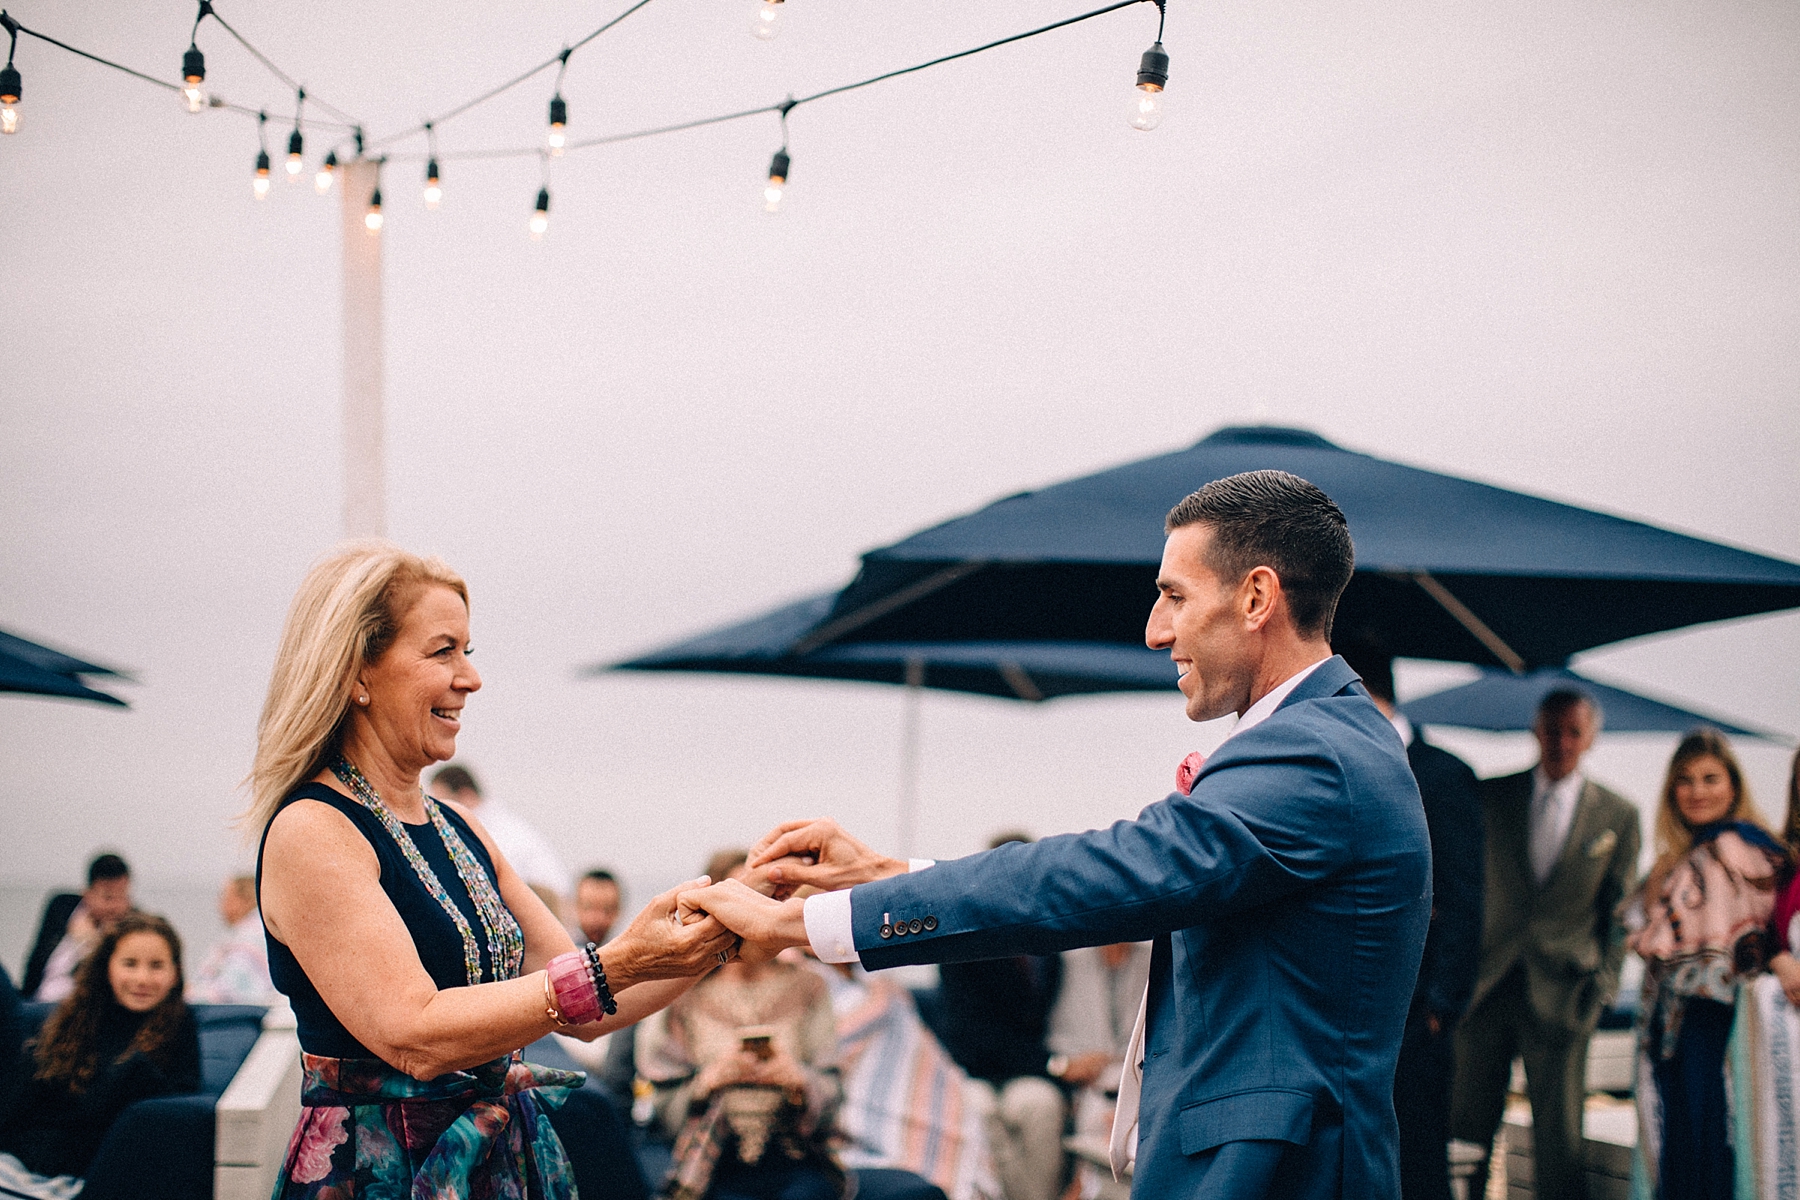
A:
365, 499
909, 754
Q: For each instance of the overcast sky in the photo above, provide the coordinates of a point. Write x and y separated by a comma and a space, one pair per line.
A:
1552, 246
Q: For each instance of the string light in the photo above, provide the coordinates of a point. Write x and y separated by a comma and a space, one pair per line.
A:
558, 138
10, 87
327, 169
540, 216
767, 22
193, 66
434, 195
372, 220
1146, 111
778, 166
261, 184
296, 160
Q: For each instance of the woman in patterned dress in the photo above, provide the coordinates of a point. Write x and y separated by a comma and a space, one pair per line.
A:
413, 954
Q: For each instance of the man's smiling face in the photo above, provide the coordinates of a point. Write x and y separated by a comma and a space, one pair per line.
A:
1199, 620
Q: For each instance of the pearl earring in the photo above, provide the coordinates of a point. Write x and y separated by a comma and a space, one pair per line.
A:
362, 699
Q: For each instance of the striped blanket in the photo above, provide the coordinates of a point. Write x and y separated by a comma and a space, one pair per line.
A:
1763, 1085
905, 1101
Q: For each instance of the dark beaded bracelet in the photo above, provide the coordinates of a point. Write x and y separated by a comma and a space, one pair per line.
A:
608, 1005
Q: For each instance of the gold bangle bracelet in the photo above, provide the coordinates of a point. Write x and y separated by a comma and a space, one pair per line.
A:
550, 1009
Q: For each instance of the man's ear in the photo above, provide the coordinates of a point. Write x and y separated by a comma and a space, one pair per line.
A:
1260, 595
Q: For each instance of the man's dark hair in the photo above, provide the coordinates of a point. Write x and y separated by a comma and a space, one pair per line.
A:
1276, 520
602, 875
1371, 660
107, 866
456, 779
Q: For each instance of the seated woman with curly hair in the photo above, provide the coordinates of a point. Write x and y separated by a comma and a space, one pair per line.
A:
123, 1035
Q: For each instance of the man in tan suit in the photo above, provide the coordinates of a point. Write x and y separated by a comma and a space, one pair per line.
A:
1561, 854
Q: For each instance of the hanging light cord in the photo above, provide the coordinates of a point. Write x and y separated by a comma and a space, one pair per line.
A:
791, 103
207, 10
245, 109
561, 58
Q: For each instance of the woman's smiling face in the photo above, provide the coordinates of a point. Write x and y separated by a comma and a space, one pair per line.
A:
417, 689
141, 971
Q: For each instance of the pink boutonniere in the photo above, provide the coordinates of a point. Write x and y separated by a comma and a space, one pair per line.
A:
1188, 771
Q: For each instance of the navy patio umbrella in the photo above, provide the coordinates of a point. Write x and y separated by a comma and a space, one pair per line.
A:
1030, 671
29, 668
1447, 568
1503, 702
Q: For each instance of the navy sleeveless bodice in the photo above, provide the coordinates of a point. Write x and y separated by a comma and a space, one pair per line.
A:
434, 934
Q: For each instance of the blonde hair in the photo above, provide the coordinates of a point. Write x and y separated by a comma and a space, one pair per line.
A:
345, 615
1674, 837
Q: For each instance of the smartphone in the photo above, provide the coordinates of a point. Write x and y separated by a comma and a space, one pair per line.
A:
759, 1042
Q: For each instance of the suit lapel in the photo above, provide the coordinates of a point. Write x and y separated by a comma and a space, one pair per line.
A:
1513, 824
1581, 831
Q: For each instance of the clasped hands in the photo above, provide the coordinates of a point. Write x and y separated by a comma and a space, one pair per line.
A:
760, 904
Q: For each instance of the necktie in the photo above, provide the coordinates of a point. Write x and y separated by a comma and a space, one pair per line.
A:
1123, 1147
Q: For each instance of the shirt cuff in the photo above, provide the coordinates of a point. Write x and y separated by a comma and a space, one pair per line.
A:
830, 927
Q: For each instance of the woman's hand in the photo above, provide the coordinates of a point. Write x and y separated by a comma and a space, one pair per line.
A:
767, 926
658, 945
1787, 969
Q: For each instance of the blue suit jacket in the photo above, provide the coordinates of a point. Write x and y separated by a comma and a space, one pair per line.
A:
1288, 897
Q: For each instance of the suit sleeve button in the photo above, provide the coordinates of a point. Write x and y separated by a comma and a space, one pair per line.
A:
887, 931
930, 924
914, 925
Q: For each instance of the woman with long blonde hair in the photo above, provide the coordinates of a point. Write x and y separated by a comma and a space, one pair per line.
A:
416, 959
1703, 935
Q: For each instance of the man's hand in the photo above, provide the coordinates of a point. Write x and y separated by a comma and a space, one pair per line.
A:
767, 926
819, 854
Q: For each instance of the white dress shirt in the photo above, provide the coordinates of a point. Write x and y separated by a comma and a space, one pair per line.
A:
524, 847
1552, 812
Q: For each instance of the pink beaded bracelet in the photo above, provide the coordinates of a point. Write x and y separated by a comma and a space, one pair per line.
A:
571, 984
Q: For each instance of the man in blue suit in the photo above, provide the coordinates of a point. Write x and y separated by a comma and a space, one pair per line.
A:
1287, 893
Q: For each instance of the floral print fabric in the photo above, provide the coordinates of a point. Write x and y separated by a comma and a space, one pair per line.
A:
369, 1132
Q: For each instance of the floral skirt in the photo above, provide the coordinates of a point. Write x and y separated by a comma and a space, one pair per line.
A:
369, 1131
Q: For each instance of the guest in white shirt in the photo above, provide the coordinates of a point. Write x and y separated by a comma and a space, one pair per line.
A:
1561, 855
236, 968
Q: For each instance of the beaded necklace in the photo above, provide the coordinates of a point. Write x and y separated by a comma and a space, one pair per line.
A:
505, 941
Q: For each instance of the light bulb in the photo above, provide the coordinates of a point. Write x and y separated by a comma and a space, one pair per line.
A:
296, 162
372, 219
9, 99
767, 22
193, 77
1146, 111
559, 119
261, 185
434, 194
322, 181
540, 216
778, 175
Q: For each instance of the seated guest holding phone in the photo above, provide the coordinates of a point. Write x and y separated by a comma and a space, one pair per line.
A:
123, 1035
416, 959
746, 1081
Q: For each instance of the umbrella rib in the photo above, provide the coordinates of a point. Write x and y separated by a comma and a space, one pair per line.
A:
1020, 681
832, 630
1465, 616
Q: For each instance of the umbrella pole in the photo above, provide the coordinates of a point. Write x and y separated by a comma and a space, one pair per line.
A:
909, 754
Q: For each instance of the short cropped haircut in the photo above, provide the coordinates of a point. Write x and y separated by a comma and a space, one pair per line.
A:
1276, 520
455, 779
601, 875
1558, 699
107, 866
